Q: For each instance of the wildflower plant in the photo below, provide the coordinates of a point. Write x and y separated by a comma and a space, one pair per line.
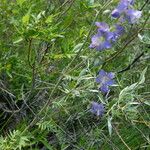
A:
105, 38
58, 91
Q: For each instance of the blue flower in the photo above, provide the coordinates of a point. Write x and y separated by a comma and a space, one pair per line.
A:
133, 15
109, 35
116, 13
125, 12
114, 35
97, 109
99, 42
105, 79
122, 6
104, 37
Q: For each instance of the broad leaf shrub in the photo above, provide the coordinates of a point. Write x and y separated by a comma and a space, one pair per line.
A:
74, 74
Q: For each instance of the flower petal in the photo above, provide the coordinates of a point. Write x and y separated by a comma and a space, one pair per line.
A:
119, 29
99, 79
107, 45
115, 13
110, 82
100, 47
131, 2
123, 5
109, 36
95, 41
104, 88
103, 27
110, 75
133, 15
102, 73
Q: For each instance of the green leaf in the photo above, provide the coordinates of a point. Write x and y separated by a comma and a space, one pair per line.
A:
127, 90
91, 2
144, 38
20, 2
109, 125
95, 5
49, 19
77, 47
47, 145
18, 40
9, 74
25, 19
142, 77
147, 103
39, 16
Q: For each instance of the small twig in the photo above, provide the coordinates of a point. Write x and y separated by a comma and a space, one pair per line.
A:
33, 66
122, 139
130, 65
33, 74
119, 52
11, 111
29, 52
144, 5
45, 51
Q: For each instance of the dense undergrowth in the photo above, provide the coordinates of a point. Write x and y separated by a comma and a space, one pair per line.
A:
48, 72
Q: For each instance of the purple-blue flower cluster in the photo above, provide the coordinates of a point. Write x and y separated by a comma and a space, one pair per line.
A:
104, 39
105, 36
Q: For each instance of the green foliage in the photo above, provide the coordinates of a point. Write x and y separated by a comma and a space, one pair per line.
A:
47, 77
15, 140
